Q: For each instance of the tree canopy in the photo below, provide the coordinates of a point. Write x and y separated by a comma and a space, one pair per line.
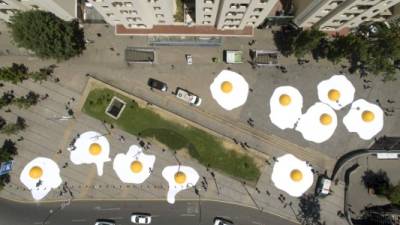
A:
309, 210
47, 35
372, 47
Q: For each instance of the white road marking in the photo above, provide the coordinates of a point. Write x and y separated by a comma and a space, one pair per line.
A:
116, 218
110, 209
255, 222
188, 214
78, 220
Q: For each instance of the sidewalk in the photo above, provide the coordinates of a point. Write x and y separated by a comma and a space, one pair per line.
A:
45, 136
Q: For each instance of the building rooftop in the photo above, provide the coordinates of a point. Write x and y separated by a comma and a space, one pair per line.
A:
174, 30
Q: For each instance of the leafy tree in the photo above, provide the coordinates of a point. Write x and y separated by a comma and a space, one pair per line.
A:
16, 73
47, 35
394, 194
4, 179
14, 128
6, 99
27, 101
307, 41
377, 181
8, 150
309, 210
284, 40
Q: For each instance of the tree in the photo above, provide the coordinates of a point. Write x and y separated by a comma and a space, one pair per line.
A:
309, 210
4, 179
27, 101
394, 194
307, 41
47, 35
284, 39
379, 182
14, 128
16, 73
6, 99
8, 150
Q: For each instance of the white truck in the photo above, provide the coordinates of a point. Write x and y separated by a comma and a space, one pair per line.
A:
232, 56
188, 97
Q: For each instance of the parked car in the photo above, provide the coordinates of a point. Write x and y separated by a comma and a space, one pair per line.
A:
189, 59
222, 221
141, 218
159, 85
104, 222
188, 97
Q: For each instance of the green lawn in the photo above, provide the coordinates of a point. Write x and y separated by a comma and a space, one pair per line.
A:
204, 147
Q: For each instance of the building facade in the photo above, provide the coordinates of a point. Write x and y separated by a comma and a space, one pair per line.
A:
222, 14
64, 9
337, 15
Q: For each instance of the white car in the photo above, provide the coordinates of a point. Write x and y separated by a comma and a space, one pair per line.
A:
141, 219
104, 222
222, 221
189, 59
188, 97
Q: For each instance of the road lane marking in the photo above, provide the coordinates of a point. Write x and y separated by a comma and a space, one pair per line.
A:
78, 220
110, 209
188, 214
255, 222
117, 218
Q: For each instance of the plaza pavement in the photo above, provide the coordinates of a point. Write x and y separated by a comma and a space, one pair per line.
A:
110, 67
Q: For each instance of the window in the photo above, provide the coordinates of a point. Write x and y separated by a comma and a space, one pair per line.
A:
258, 9
109, 14
156, 8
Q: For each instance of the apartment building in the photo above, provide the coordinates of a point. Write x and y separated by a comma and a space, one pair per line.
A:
222, 14
64, 9
339, 15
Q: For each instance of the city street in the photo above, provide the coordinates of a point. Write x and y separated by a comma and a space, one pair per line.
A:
104, 60
87, 212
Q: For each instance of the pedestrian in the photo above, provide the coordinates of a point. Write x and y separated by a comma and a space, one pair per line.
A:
65, 165
250, 89
112, 49
172, 66
111, 126
59, 151
8, 110
390, 101
267, 192
274, 158
44, 96
73, 99
56, 80
234, 140
98, 34
258, 190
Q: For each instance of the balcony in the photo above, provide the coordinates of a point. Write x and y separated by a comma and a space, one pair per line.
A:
117, 4
128, 4
208, 2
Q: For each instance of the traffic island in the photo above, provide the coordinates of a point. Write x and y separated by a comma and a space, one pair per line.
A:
177, 134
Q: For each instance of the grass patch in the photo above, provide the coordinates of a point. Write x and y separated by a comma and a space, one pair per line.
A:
204, 147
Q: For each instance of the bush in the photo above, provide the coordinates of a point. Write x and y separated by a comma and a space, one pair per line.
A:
14, 128
27, 101
377, 181
47, 35
16, 73
309, 210
394, 194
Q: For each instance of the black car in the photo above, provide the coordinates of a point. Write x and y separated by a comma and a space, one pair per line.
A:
159, 85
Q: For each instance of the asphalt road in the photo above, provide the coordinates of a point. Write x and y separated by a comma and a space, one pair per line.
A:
87, 212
